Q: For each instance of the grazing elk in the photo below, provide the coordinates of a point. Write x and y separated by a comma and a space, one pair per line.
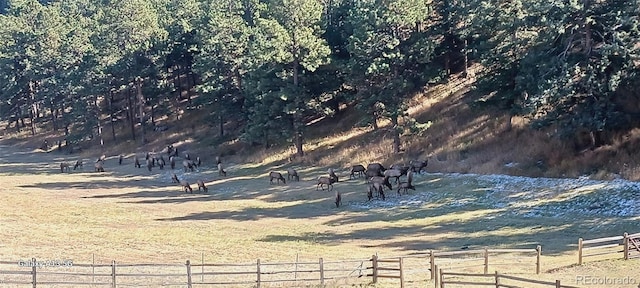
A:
377, 188
292, 174
136, 161
65, 166
185, 186
78, 164
221, 171
417, 165
188, 165
356, 169
278, 176
402, 167
393, 173
172, 161
120, 158
174, 178
324, 180
99, 166
382, 181
332, 175
202, 186
404, 186
338, 199
375, 168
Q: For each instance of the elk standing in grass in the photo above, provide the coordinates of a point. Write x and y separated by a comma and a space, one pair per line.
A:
78, 164
406, 185
356, 169
324, 180
188, 165
136, 162
382, 181
172, 161
278, 176
332, 175
417, 165
65, 166
99, 166
185, 186
149, 164
202, 186
375, 169
393, 173
292, 174
377, 188
221, 171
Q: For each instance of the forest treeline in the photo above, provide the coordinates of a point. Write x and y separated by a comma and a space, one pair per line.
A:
84, 67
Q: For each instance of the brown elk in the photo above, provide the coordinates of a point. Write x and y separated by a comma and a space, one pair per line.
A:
402, 167
188, 165
381, 180
221, 171
377, 188
99, 166
375, 168
78, 164
136, 161
418, 165
65, 166
202, 186
149, 164
278, 176
292, 174
332, 175
172, 161
185, 186
359, 169
174, 178
406, 185
393, 173
324, 180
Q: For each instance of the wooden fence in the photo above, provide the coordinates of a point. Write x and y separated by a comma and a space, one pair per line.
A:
481, 258
490, 280
417, 268
256, 274
627, 246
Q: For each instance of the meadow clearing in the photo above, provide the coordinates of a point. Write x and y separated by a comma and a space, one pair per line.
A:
132, 215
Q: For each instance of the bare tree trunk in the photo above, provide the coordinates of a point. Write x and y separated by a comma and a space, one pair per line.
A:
221, 120
131, 114
111, 116
32, 107
54, 115
395, 130
97, 107
141, 106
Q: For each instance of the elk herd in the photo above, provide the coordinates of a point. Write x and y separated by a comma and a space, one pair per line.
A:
153, 160
376, 175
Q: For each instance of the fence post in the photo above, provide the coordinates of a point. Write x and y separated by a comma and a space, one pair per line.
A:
34, 271
539, 252
432, 264
113, 273
558, 284
486, 260
401, 274
374, 265
579, 251
258, 273
625, 242
441, 279
321, 272
436, 279
497, 280
189, 274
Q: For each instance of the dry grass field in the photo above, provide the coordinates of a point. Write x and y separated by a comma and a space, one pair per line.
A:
135, 216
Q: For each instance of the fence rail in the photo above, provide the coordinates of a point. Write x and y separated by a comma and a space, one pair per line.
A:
628, 245
489, 280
